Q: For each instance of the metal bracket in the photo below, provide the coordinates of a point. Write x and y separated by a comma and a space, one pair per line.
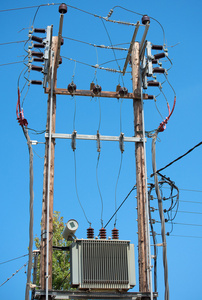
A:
47, 52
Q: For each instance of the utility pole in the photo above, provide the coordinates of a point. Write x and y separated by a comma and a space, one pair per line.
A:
144, 283
48, 172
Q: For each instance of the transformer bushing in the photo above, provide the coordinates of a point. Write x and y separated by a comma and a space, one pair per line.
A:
90, 233
103, 233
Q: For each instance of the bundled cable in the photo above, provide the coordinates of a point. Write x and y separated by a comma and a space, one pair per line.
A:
160, 206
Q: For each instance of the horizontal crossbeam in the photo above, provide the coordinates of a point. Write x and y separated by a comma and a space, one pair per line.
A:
93, 295
89, 93
94, 137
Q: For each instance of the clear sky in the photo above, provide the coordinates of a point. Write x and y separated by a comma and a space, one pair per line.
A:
181, 21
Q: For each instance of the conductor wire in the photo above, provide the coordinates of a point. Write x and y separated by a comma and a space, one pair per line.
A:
77, 194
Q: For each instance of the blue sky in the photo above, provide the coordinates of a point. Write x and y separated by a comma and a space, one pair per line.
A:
181, 23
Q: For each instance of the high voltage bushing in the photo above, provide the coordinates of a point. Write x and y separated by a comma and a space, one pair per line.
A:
115, 234
36, 68
37, 82
153, 83
154, 61
71, 87
97, 89
62, 41
39, 46
36, 39
145, 19
39, 30
90, 233
38, 59
102, 233
159, 70
160, 55
38, 54
123, 91
157, 47
60, 60
62, 8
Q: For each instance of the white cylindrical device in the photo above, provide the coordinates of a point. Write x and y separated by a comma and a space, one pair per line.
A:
70, 229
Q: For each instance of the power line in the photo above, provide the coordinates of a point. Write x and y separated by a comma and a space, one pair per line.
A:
180, 157
28, 7
13, 274
12, 63
120, 205
12, 259
16, 42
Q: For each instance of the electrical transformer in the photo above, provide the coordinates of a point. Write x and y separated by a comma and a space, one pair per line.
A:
100, 264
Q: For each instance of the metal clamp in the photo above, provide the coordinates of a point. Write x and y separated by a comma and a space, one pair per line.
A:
98, 142
73, 143
121, 142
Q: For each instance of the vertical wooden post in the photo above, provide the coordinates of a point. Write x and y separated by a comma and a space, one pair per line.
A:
43, 257
140, 174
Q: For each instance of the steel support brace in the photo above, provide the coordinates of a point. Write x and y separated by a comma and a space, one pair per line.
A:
93, 295
94, 137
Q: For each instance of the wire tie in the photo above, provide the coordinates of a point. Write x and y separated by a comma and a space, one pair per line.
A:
98, 141
121, 142
73, 144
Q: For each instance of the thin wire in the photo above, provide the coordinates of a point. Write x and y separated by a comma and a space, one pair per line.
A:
8, 43
27, 7
112, 49
180, 157
134, 12
134, 187
74, 119
75, 177
31, 204
13, 274
102, 206
96, 46
12, 259
186, 236
12, 63
116, 188
98, 160
92, 66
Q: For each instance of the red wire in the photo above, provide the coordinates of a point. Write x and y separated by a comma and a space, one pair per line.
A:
162, 125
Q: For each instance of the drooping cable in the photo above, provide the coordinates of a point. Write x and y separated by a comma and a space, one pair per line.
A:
31, 222
180, 157
13, 274
113, 50
154, 240
160, 205
75, 168
77, 193
119, 172
12, 259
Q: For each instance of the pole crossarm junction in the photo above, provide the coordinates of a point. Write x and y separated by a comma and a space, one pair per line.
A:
94, 137
55, 294
89, 93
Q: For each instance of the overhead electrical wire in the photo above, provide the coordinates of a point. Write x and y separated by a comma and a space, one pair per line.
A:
180, 157
94, 45
12, 259
9, 43
13, 274
27, 7
134, 187
163, 233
